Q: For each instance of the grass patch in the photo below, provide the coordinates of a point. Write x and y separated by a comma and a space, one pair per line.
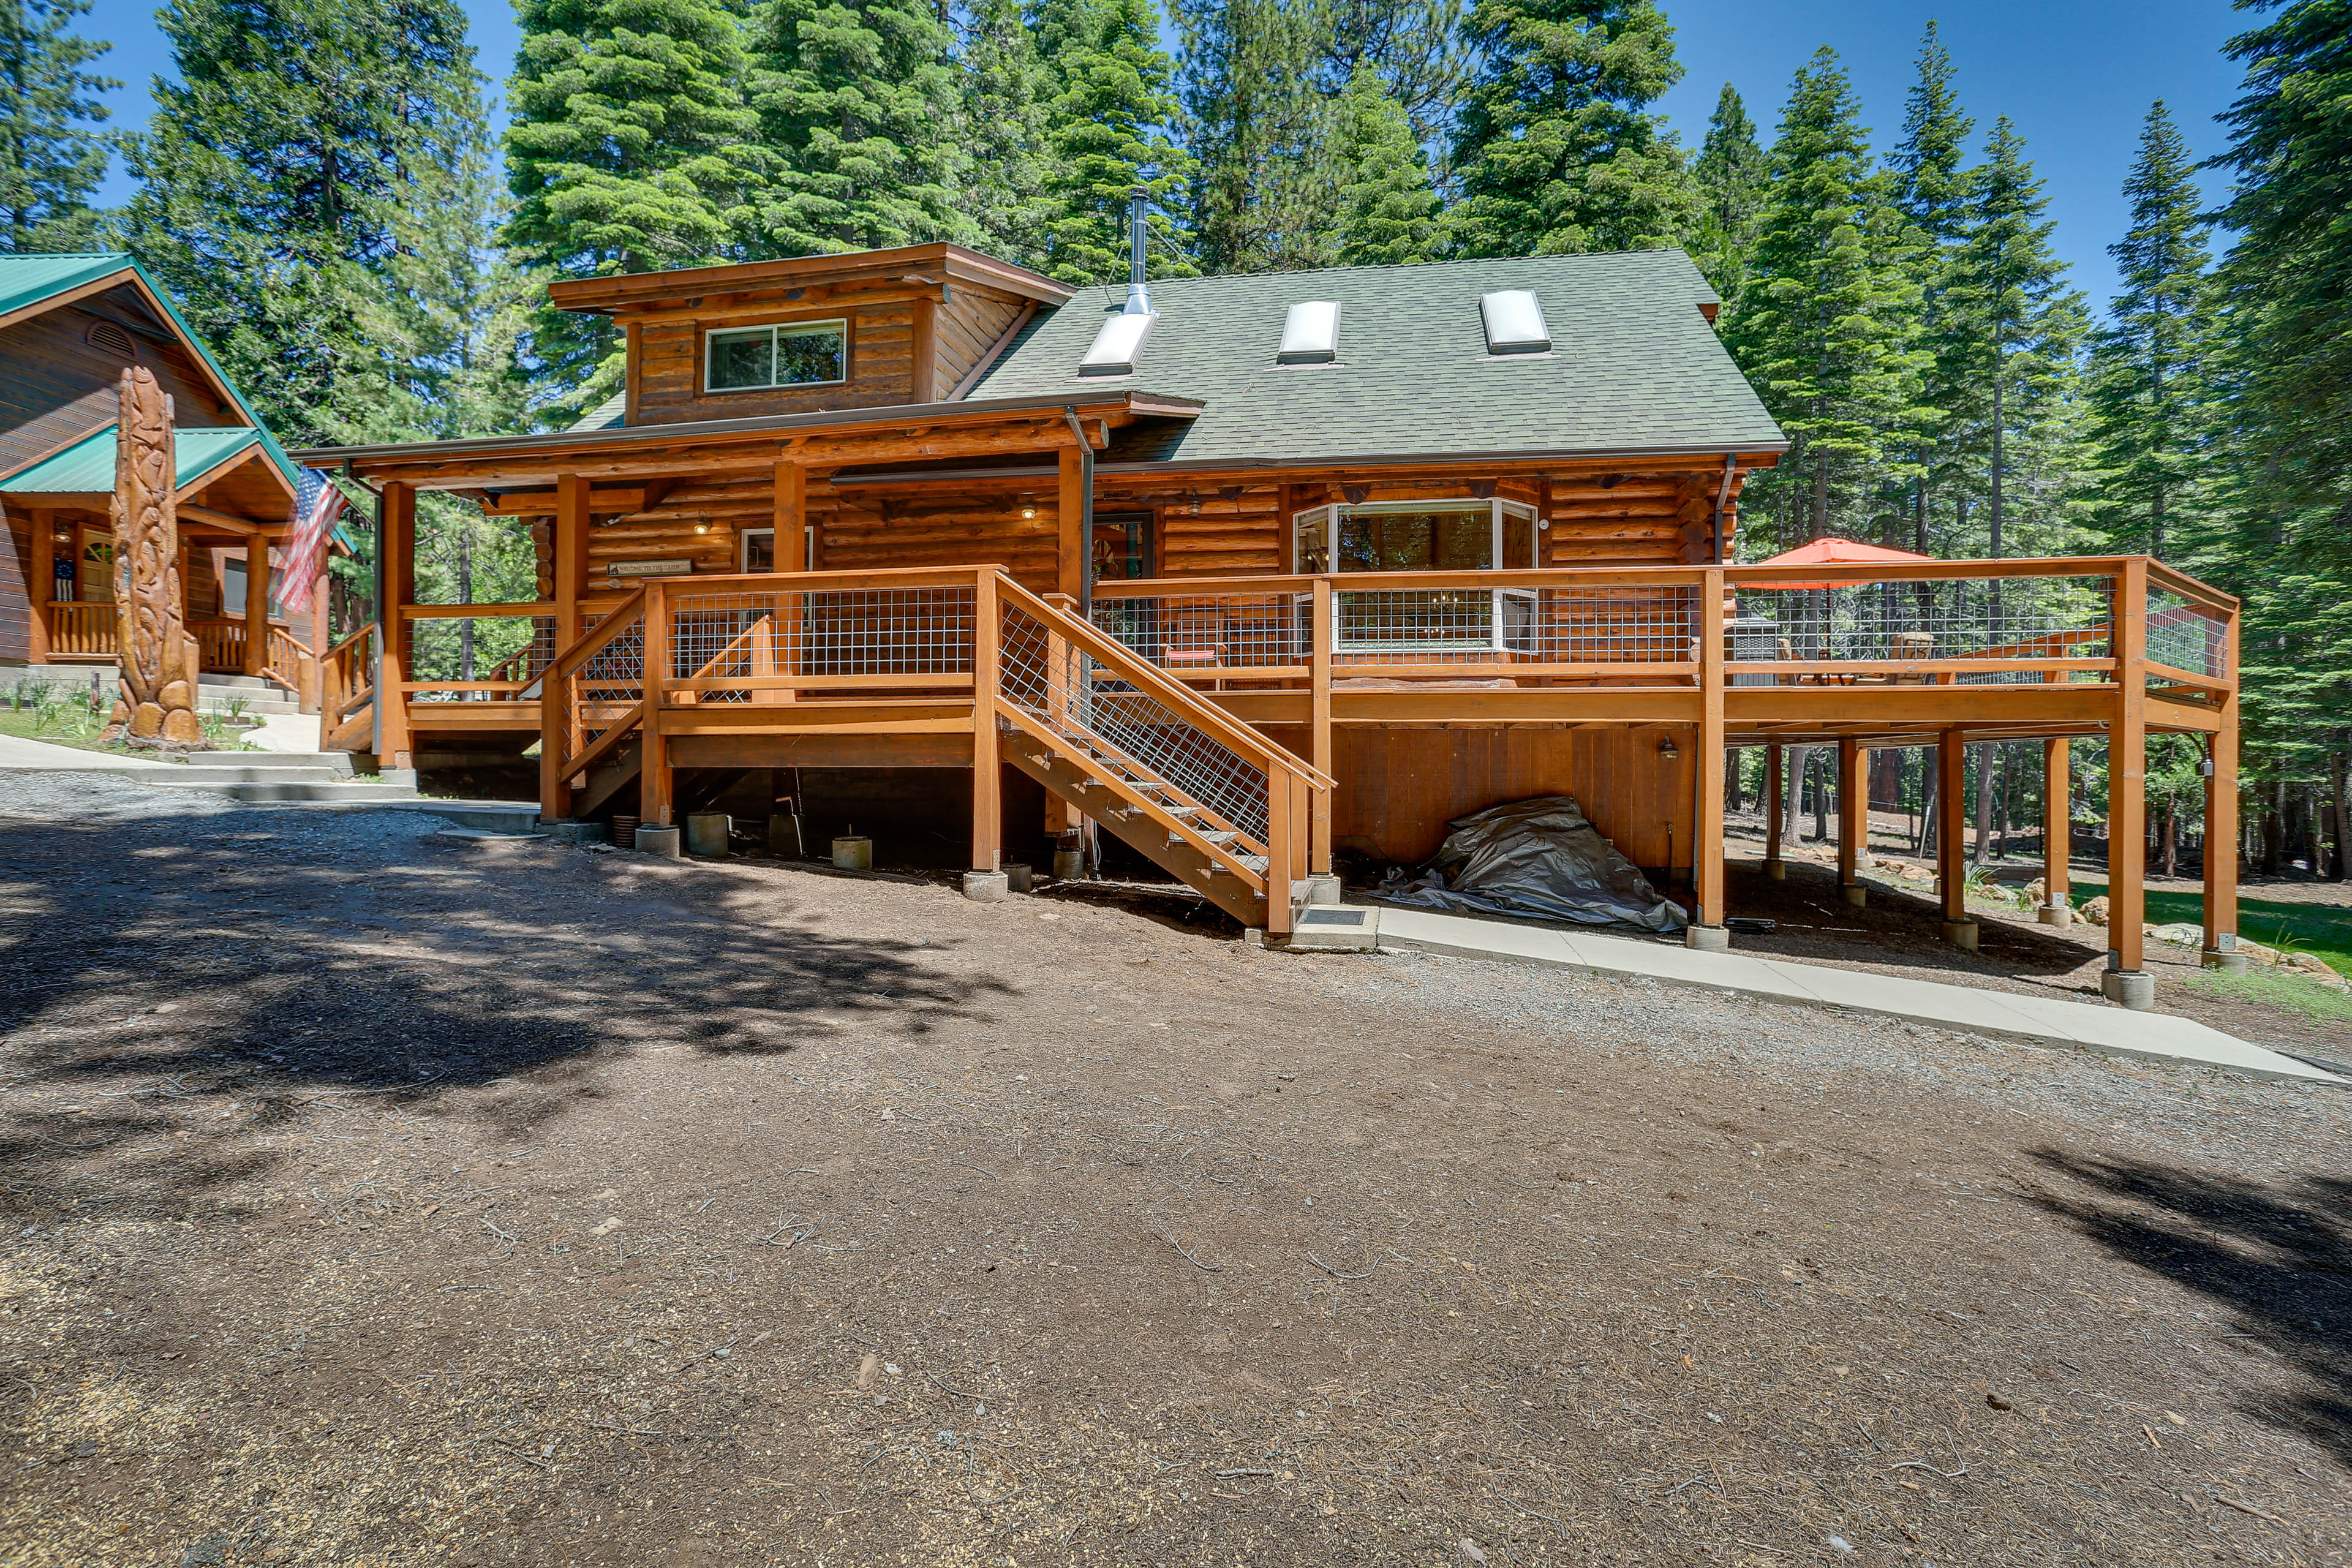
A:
2287, 992
2324, 930
63, 717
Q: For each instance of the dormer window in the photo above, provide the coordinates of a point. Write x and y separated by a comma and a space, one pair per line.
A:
797, 353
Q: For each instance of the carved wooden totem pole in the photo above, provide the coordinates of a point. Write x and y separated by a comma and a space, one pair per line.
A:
159, 666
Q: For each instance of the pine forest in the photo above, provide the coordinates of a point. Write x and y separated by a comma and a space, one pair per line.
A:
322, 189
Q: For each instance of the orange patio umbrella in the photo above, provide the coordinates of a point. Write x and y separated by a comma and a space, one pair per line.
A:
1833, 551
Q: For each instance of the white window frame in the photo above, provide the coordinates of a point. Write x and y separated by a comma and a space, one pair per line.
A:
711, 335
1508, 604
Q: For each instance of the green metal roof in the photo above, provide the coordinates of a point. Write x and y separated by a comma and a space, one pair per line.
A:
29, 279
89, 464
1634, 366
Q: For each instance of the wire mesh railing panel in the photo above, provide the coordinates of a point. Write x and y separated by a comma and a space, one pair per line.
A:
911, 632
609, 683
2185, 635
1612, 625
1441, 624
516, 648
1077, 695
1182, 633
1876, 623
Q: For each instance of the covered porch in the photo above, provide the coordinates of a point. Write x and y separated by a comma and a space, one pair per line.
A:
234, 505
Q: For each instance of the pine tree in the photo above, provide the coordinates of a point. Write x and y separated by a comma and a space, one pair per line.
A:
855, 100
2289, 275
1557, 149
281, 172
1007, 88
2148, 394
1387, 212
1932, 189
1732, 175
1413, 46
1108, 128
51, 162
1821, 327
630, 150
1256, 121
2017, 324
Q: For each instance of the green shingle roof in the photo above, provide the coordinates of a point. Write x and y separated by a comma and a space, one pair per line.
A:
89, 463
1634, 366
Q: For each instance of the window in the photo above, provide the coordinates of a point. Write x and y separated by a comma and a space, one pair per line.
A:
804, 353
1417, 536
1423, 536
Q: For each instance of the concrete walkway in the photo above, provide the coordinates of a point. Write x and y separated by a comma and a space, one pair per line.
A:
18, 754
2004, 1015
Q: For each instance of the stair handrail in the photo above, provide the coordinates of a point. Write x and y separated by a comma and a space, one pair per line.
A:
1175, 695
337, 696
555, 768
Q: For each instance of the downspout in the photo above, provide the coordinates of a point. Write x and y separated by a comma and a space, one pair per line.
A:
1085, 517
382, 628
1722, 497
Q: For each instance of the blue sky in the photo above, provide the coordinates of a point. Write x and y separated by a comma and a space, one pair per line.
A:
2076, 76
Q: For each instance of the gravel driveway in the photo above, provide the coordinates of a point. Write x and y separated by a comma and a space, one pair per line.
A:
381, 1198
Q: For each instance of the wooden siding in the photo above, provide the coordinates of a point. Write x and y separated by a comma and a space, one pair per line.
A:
969, 326
56, 386
666, 372
15, 583
1398, 787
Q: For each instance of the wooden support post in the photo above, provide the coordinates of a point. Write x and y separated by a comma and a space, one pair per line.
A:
1854, 816
43, 588
1321, 629
398, 545
653, 744
1772, 814
1282, 849
2222, 823
987, 768
1706, 839
571, 556
1286, 556
257, 606
795, 548
1951, 857
2127, 774
2057, 831
1070, 550
927, 350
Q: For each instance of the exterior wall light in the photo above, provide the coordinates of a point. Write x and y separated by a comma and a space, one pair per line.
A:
1668, 750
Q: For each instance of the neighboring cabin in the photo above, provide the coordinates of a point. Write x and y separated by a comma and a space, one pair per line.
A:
70, 325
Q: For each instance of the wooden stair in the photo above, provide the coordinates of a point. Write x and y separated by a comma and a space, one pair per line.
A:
1146, 813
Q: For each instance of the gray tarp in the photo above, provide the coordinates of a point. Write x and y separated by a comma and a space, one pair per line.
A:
1538, 857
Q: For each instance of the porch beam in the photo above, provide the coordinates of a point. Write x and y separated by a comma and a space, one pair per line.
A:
1951, 861
257, 606
42, 589
571, 556
2127, 780
2057, 831
2221, 951
1706, 840
396, 549
1853, 817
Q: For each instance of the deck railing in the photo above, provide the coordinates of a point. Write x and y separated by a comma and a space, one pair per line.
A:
1965, 623
80, 629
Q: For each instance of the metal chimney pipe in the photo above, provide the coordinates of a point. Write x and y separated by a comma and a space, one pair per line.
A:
1139, 298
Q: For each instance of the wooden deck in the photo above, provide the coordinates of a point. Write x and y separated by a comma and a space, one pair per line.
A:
1229, 695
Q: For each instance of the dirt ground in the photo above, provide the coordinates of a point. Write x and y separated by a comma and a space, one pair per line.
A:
380, 1197
1901, 931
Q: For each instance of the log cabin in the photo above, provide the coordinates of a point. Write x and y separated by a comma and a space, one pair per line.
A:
70, 325
1242, 571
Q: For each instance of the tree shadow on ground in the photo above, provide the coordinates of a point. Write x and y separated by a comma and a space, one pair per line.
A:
176, 982
2278, 1258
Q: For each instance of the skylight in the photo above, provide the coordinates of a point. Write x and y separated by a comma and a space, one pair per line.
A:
1514, 323
1310, 333
1115, 346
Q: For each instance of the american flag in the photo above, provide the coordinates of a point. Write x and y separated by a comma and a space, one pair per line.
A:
317, 505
